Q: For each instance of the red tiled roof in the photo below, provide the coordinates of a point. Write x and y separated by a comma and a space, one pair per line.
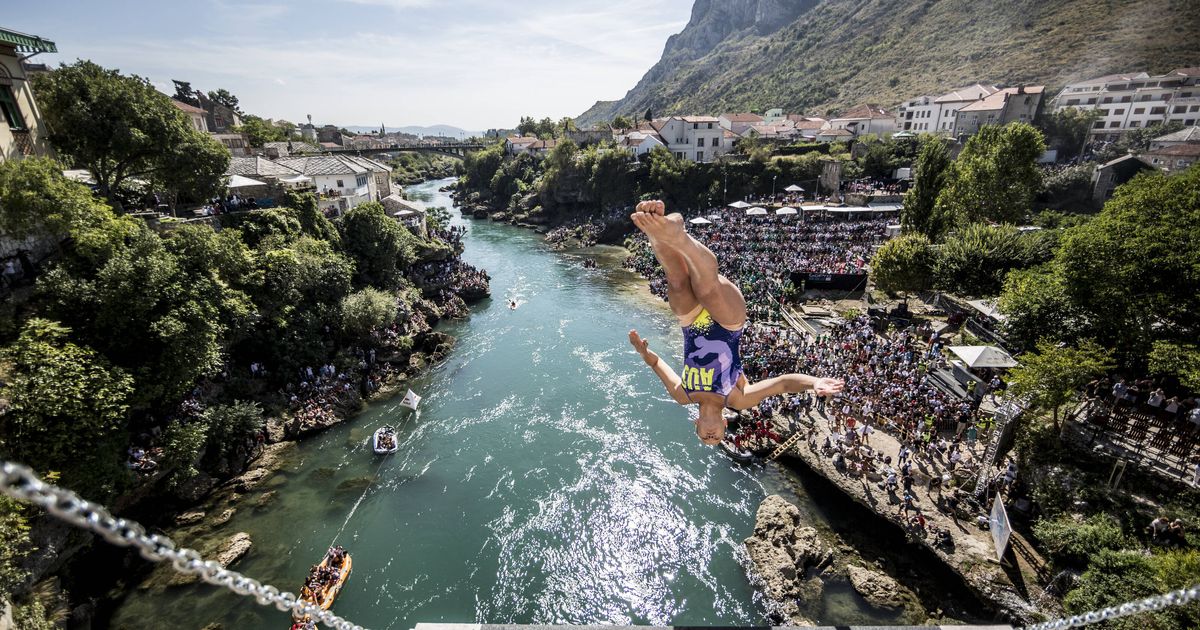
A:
997, 100
747, 117
191, 109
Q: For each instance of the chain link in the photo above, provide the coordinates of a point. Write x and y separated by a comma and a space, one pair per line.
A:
21, 483
1150, 604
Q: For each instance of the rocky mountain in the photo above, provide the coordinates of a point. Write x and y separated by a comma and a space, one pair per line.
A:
825, 55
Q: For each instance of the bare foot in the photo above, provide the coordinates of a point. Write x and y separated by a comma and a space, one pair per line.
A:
652, 207
668, 229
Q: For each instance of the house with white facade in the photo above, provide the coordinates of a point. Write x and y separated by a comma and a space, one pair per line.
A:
1135, 100
516, 145
1014, 104
696, 138
738, 123
382, 173
938, 114
641, 142
341, 183
865, 119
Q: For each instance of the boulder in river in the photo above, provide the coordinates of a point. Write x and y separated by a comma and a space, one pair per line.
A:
878, 589
783, 552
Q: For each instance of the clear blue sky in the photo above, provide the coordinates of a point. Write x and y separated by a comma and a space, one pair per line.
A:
476, 64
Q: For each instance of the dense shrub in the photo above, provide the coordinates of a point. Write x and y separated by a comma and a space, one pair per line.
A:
1074, 543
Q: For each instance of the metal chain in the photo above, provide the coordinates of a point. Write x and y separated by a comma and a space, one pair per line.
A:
21, 483
1150, 604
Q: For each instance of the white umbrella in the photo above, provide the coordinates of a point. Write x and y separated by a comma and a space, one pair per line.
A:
984, 356
700, 221
786, 210
756, 211
739, 205
237, 181
794, 188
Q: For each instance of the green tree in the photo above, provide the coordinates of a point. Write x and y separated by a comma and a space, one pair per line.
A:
975, 259
622, 122
223, 97
259, 131
1052, 375
1071, 543
232, 428
182, 444
1133, 270
1067, 129
380, 247
312, 221
1115, 577
1036, 306
1178, 359
184, 93
36, 200
120, 127
904, 264
930, 172
14, 546
995, 177
367, 310
64, 399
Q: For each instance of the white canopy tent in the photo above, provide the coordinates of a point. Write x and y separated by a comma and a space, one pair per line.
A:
794, 188
786, 210
700, 221
238, 181
984, 356
756, 211
739, 205
295, 181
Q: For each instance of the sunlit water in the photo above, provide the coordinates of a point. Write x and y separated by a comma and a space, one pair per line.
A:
547, 478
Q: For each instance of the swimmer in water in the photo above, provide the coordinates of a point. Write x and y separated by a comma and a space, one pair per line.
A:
512, 304
712, 312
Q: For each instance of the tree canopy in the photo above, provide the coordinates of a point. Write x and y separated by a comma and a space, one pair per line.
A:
995, 177
904, 264
120, 128
929, 178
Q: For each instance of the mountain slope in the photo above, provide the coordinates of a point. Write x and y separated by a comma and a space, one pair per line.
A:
825, 55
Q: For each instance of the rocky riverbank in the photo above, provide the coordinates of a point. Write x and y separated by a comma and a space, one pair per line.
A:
971, 557
567, 230
792, 563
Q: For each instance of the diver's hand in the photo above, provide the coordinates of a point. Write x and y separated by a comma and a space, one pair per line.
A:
642, 347
828, 386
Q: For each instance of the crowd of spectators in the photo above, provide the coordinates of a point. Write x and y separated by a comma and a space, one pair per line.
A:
1145, 395
869, 186
453, 275
760, 253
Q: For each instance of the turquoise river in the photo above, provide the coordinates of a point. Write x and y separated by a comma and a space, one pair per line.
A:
547, 478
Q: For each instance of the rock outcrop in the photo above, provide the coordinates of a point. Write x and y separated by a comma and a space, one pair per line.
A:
878, 589
786, 557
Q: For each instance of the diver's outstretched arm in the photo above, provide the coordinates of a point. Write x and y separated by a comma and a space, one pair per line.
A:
668, 376
786, 384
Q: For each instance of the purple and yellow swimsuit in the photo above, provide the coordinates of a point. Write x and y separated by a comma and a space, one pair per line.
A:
711, 362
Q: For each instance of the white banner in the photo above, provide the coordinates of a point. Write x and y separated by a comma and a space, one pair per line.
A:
1000, 527
411, 400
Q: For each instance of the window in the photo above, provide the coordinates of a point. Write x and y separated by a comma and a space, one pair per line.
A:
1144, 97
699, 142
1091, 101
710, 125
1118, 112
695, 125
1190, 121
1158, 111
1179, 109
1135, 123
1073, 101
340, 184
1103, 112
1114, 124
1185, 95
361, 180
1099, 124
8, 106
699, 156
1194, 108
1126, 99
1139, 110
1107, 100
